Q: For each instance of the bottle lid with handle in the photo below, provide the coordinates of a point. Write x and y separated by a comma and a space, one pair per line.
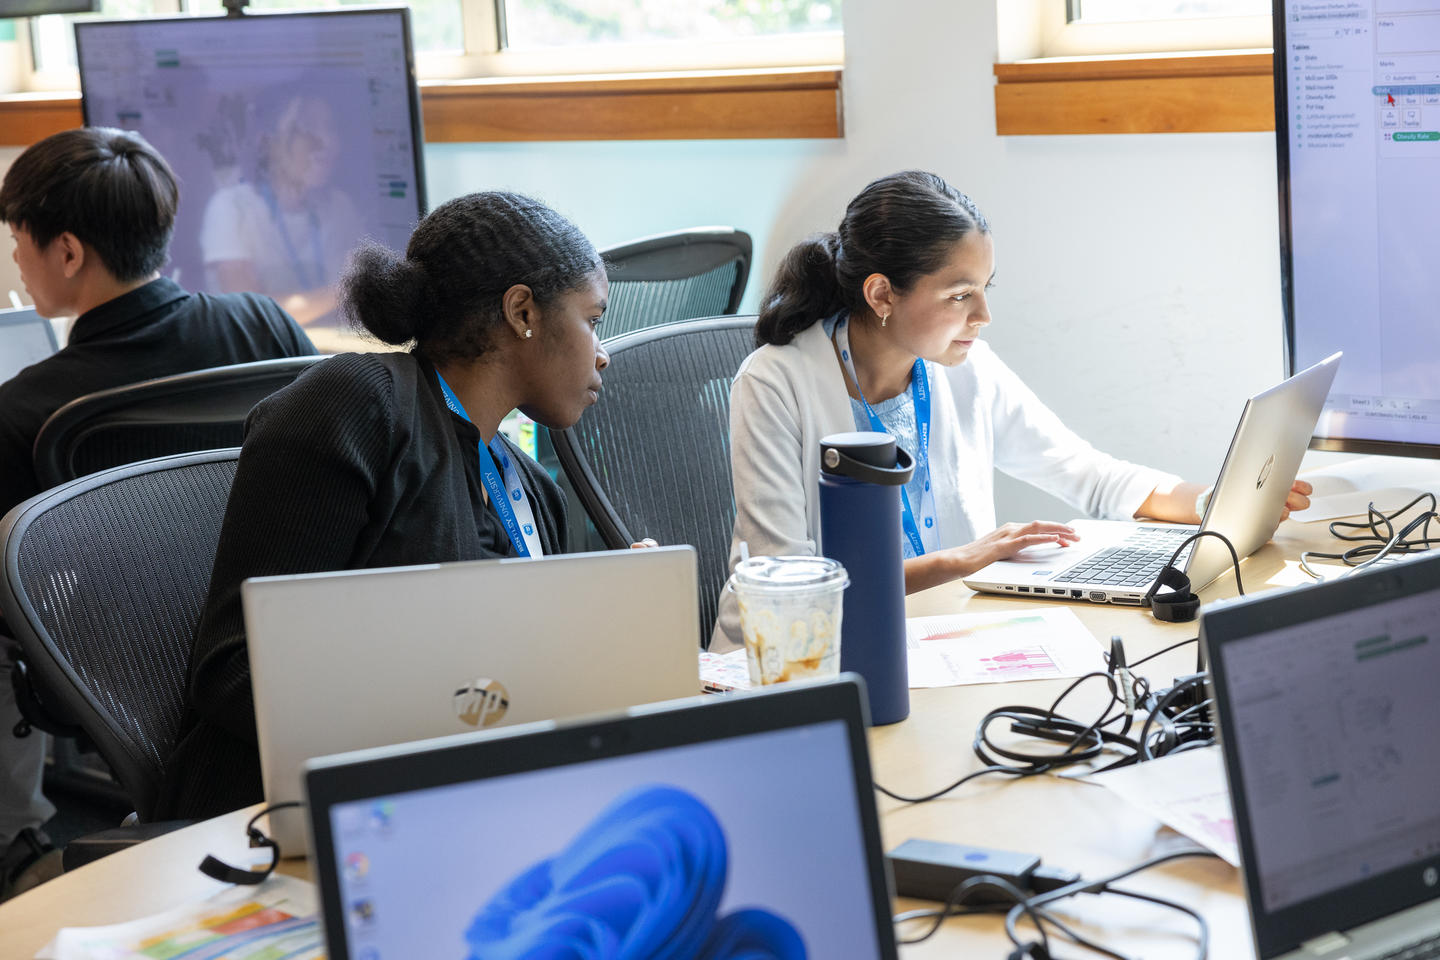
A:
866, 456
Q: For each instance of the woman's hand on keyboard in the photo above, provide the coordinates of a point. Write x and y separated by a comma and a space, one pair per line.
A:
1003, 542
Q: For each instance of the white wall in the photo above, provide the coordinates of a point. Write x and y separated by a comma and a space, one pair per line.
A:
1138, 276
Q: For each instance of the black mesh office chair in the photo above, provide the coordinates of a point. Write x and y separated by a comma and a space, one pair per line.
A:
652, 459
202, 410
675, 276
104, 578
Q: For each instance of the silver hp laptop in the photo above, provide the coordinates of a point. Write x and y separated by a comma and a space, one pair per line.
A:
1328, 716
1117, 561
341, 661
25, 338
709, 829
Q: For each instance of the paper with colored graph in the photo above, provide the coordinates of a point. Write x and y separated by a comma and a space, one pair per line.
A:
1186, 792
1033, 644
273, 921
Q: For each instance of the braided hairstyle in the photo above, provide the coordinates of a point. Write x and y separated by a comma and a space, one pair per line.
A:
445, 294
902, 226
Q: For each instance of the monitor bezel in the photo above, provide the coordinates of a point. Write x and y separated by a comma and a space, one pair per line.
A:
1235, 621
465, 758
417, 120
40, 8
1339, 444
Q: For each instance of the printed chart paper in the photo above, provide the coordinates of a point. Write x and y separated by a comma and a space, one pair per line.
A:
1031, 644
274, 920
1186, 792
955, 649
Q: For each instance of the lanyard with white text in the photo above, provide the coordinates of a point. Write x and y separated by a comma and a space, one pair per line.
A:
920, 389
508, 498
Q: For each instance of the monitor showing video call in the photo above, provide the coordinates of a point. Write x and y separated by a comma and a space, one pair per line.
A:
292, 136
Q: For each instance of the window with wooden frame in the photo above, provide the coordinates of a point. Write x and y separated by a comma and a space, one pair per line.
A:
1133, 66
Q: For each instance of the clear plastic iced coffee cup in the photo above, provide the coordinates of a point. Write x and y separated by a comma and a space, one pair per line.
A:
790, 616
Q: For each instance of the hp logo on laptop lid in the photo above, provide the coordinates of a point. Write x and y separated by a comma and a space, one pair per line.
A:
481, 702
1265, 471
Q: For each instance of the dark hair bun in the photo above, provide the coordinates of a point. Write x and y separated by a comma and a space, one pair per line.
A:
382, 294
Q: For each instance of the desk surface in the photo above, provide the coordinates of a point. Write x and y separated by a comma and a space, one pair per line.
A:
1071, 825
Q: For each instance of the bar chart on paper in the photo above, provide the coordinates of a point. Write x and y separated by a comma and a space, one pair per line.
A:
999, 647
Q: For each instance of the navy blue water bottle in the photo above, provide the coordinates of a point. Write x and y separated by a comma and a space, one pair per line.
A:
861, 475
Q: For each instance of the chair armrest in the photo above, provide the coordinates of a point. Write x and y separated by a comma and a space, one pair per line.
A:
93, 846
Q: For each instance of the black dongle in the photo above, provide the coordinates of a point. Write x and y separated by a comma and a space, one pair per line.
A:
930, 870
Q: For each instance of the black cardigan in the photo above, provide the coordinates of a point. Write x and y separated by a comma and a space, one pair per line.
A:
356, 464
152, 331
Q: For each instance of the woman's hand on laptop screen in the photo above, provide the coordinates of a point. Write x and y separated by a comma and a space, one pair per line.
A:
645, 544
1297, 499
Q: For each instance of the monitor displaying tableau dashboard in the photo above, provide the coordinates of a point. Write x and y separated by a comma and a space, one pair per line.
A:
293, 136
1357, 86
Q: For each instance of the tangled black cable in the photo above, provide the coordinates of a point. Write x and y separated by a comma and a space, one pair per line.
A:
1380, 538
1180, 716
1033, 908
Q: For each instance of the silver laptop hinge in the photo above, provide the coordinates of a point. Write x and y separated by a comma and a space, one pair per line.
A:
1326, 943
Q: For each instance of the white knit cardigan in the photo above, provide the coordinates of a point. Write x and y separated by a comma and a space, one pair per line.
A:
785, 399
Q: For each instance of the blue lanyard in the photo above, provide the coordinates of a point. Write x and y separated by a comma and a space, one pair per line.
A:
301, 274
920, 391
507, 497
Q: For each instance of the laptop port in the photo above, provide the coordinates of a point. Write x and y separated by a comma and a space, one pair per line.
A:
1057, 593
1023, 589
1098, 596
1077, 594
1128, 601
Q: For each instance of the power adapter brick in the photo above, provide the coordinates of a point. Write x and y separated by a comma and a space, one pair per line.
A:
930, 870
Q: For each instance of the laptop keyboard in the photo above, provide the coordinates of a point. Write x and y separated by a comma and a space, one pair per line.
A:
1426, 949
1135, 562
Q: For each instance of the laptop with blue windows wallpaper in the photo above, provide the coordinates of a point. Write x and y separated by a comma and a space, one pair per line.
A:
1328, 716
705, 829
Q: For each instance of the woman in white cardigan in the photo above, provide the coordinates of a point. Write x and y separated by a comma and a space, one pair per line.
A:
850, 324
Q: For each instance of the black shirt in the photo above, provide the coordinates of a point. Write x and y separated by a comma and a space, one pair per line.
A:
356, 464
153, 331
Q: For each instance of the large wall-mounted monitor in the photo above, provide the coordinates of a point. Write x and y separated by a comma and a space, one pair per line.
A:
1357, 97
293, 136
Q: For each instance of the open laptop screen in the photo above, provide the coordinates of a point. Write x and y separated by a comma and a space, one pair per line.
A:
1330, 719
25, 338
706, 847
1339, 746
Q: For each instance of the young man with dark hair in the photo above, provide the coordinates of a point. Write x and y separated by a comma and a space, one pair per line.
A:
91, 212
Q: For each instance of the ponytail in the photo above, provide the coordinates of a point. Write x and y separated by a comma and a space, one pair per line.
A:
805, 289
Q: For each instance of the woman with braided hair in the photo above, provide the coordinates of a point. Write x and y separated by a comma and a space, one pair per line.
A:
392, 459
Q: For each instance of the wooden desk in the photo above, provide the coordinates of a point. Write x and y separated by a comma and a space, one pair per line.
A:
1074, 826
